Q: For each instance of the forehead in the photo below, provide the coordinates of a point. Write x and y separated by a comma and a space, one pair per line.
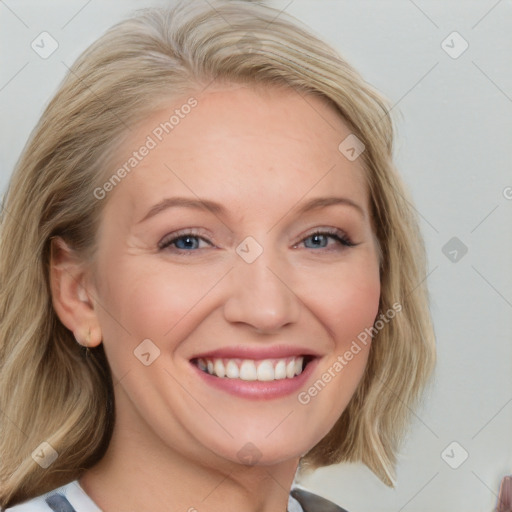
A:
237, 140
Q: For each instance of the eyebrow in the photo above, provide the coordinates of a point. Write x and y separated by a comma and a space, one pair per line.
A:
218, 209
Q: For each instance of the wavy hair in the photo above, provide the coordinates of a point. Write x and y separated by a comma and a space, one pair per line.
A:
53, 391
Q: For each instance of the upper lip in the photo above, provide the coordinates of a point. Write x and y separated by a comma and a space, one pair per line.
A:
247, 352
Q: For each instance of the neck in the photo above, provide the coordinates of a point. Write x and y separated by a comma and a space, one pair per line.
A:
140, 472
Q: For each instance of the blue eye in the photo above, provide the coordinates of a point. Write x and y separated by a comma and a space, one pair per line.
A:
185, 242
189, 242
320, 239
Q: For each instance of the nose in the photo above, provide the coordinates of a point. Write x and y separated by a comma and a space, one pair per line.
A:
261, 295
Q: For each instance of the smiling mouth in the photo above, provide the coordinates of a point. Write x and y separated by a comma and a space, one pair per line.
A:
254, 370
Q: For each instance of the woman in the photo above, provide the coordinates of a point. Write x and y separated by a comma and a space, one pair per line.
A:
220, 278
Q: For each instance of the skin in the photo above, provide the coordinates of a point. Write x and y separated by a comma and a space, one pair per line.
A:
261, 153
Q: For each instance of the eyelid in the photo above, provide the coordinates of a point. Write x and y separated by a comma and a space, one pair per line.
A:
343, 238
171, 237
324, 229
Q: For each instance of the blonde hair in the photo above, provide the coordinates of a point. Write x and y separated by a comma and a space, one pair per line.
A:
50, 391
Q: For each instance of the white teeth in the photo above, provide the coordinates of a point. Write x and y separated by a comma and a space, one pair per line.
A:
251, 370
298, 365
290, 369
218, 368
232, 371
280, 370
248, 370
265, 370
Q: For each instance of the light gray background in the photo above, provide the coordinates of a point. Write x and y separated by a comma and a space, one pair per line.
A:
454, 152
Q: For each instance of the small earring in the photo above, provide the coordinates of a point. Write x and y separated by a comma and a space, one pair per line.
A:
84, 343
80, 342
87, 342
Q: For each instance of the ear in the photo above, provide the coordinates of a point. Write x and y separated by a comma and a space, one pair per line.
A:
72, 294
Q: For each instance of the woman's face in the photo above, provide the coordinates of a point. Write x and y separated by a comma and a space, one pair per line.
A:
228, 275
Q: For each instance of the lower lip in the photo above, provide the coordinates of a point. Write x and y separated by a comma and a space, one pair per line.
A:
259, 390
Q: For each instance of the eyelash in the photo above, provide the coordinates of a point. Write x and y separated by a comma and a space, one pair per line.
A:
335, 234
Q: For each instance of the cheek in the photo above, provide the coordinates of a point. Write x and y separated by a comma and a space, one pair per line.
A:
347, 303
155, 304
356, 311
147, 301
345, 306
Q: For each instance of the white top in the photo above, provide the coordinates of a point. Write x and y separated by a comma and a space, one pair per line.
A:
73, 492
81, 502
